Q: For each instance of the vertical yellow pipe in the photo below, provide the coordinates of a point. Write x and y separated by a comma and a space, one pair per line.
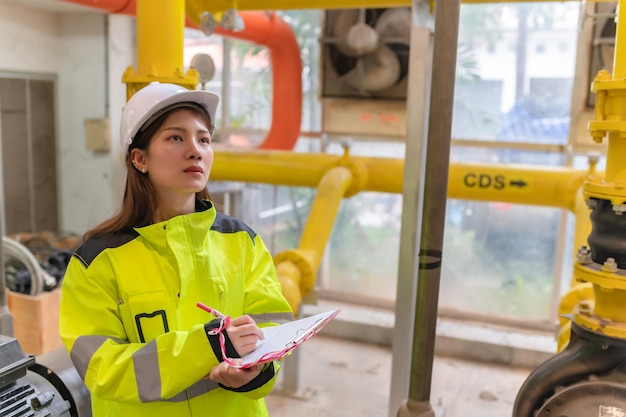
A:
319, 225
296, 267
160, 37
619, 69
615, 172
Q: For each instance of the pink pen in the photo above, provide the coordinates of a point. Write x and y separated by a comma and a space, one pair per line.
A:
210, 310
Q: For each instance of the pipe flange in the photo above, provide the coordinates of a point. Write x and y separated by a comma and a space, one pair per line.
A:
298, 258
600, 326
597, 274
359, 175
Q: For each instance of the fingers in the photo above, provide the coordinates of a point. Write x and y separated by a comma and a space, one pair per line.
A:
244, 334
234, 377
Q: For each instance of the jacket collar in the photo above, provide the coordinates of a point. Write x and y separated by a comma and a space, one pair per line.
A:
193, 226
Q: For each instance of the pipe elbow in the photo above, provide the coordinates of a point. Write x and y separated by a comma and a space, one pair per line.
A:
291, 260
359, 173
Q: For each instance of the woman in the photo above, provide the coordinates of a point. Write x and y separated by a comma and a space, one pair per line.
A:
128, 311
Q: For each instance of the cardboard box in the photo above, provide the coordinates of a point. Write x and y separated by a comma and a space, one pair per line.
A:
36, 320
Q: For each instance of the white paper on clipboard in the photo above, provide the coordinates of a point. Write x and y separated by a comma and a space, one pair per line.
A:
280, 340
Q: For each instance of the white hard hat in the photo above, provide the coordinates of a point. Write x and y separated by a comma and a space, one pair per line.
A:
155, 98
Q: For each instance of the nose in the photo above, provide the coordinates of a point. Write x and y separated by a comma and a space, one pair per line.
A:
194, 151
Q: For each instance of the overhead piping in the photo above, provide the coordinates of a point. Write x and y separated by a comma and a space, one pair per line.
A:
271, 31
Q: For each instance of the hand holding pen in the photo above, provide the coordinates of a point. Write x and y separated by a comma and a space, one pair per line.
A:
242, 331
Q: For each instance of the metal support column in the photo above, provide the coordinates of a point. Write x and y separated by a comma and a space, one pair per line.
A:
434, 198
420, 63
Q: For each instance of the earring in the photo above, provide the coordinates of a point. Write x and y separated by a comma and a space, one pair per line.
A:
144, 170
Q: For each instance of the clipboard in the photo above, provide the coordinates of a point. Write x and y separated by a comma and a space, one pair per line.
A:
280, 340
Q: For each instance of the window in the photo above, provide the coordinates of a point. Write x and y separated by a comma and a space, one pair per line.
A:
498, 258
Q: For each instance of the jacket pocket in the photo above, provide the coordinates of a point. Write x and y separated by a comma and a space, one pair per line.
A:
146, 315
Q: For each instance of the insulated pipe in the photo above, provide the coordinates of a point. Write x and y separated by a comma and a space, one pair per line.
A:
297, 268
271, 31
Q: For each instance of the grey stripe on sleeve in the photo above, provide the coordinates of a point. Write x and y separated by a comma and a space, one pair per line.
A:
201, 387
146, 365
84, 348
147, 373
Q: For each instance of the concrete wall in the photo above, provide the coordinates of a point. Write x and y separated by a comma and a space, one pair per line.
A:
29, 40
86, 53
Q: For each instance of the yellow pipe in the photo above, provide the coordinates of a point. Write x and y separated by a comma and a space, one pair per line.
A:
519, 184
615, 172
619, 61
197, 7
581, 292
297, 267
606, 314
160, 37
582, 229
160, 41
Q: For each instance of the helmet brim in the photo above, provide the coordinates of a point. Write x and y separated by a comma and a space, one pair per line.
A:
206, 100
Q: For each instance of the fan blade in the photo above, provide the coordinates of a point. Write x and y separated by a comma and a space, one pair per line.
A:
375, 72
362, 39
344, 20
394, 25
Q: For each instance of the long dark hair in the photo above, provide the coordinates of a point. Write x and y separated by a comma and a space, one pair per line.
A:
139, 203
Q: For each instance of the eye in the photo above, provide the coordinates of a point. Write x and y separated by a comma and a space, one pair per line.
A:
176, 138
206, 140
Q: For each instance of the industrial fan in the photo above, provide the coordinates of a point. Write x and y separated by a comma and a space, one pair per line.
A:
366, 52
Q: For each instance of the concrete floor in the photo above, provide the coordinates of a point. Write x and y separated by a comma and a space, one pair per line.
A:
340, 378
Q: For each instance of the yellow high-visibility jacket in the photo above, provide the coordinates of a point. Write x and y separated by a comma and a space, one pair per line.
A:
129, 319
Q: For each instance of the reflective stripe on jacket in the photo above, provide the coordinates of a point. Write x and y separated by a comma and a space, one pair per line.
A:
129, 318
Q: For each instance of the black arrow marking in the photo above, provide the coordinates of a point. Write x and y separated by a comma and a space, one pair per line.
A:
518, 183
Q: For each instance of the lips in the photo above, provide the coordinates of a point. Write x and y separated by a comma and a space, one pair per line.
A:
194, 169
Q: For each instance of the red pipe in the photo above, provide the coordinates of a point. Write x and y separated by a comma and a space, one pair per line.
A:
271, 31
110, 6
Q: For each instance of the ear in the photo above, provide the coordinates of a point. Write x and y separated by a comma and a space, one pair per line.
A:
138, 159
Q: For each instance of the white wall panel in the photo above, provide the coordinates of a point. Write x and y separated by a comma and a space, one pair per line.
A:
92, 62
29, 40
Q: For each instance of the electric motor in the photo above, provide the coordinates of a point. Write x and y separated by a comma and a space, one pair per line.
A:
46, 386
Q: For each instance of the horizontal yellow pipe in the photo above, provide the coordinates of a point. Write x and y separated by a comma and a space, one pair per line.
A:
519, 184
197, 7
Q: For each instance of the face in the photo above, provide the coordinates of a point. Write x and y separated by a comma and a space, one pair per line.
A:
179, 157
